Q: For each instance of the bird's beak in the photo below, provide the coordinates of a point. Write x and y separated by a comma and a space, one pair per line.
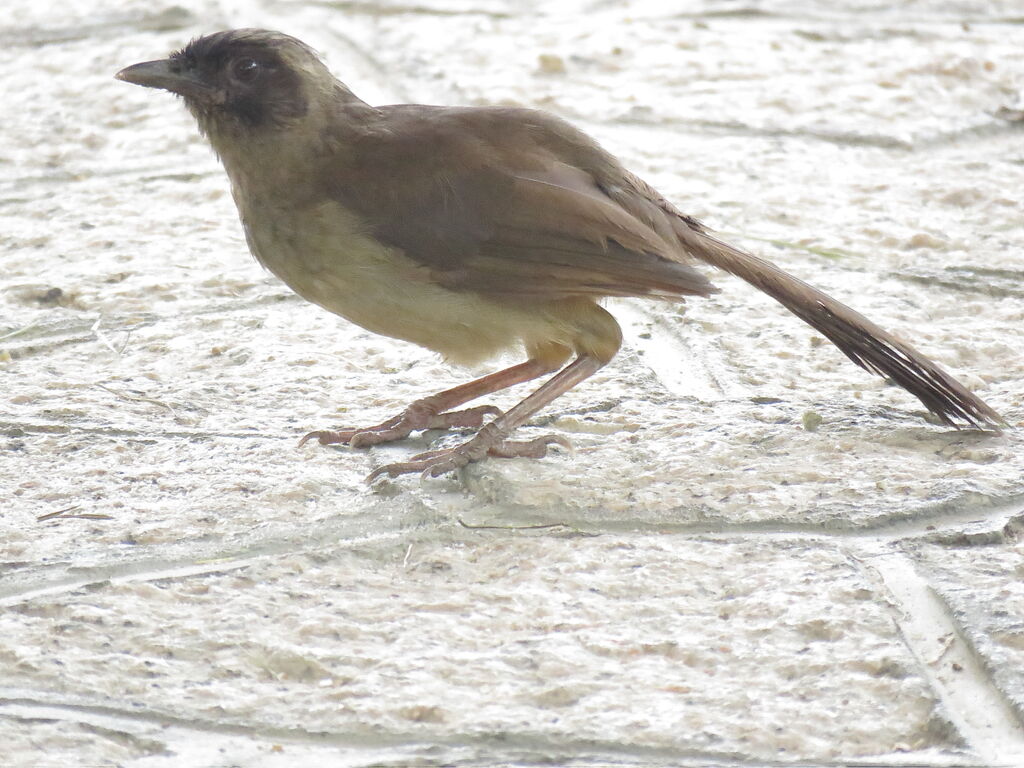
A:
169, 75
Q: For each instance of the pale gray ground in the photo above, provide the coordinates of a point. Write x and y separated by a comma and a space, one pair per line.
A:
718, 584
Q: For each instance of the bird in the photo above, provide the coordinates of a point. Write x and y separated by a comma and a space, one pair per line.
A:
472, 232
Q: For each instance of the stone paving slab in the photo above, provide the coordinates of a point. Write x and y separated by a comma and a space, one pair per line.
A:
716, 584
494, 635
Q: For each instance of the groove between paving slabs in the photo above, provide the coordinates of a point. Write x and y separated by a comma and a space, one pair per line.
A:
358, 530
946, 658
193, 740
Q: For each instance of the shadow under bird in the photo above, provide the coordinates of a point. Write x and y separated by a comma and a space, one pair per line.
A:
471, 231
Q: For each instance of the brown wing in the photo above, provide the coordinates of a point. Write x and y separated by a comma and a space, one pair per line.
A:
473, 196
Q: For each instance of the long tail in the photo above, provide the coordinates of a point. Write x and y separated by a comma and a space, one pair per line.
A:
862, 341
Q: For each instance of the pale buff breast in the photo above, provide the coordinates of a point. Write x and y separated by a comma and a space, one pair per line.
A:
321, 253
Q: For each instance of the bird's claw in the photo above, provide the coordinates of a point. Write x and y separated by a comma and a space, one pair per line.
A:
530, 449
325, 437
436, 463
401, 426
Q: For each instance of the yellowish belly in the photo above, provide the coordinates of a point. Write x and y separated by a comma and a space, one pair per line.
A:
321, 254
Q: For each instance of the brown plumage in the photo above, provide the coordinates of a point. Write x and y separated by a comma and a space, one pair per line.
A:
470, 231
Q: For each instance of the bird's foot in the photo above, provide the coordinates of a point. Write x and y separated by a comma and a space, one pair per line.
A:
401, 426
485, 443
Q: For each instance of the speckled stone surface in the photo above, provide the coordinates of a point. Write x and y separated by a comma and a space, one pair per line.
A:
704, 580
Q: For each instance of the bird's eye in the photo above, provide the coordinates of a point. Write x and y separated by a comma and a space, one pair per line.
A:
245, 70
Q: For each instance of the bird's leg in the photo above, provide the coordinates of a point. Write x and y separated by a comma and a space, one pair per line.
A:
493, 437
433, 412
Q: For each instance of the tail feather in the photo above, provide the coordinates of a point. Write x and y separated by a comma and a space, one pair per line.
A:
866, 344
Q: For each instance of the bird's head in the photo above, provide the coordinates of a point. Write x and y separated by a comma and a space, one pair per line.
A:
242, 81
